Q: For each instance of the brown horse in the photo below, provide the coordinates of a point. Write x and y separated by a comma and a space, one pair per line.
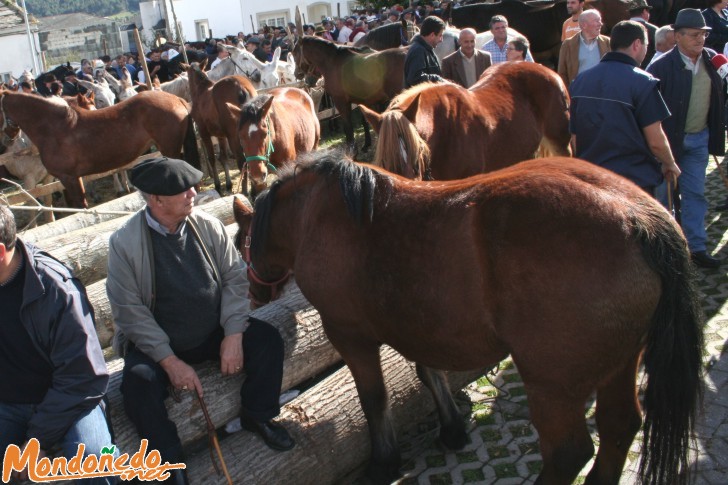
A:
215, 110
76, 143
572, 270
351, 75
448, 132
274, 129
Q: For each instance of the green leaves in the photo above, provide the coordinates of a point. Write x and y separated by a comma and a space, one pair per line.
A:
106, 450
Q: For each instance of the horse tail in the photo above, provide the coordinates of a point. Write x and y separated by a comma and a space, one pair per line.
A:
673, 357
189, 147
401, 149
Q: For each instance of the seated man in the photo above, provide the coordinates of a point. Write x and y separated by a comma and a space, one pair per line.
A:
53, 372
177, 289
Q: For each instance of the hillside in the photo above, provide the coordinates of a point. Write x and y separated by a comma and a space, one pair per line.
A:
101, 8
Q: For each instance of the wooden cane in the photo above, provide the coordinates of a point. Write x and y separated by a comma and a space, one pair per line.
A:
723, 176
670, 204
212, 435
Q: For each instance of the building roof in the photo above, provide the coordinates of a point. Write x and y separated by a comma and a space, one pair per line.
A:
12, 19
71, 21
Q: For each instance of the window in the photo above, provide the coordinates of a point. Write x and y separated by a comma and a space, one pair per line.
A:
202, 29
273, 19
5, 77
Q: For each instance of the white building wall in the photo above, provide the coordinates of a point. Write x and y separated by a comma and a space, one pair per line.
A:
225, 17
17, 56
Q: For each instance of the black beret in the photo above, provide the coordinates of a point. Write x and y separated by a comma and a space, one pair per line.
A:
164, 176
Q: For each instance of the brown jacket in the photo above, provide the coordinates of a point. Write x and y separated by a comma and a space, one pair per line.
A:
452, 66
569, 56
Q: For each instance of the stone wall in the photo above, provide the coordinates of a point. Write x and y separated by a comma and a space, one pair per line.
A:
74, 44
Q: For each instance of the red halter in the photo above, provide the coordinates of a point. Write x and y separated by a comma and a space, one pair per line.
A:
255, 277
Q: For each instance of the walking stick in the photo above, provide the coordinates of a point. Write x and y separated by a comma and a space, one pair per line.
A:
723, 176
212, 436
670, 204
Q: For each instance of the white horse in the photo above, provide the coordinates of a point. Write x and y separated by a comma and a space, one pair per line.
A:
127, 86
287, 70
179, 86
103, 95
263, 75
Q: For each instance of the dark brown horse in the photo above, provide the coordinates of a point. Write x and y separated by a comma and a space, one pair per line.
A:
389, 36
275, 128
443, 130
73, 143
573, 271
351, 76
216, 112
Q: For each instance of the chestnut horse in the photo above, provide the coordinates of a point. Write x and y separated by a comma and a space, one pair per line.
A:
572, 270
76, 143
447, 132
274, 129
350, 76
216, 112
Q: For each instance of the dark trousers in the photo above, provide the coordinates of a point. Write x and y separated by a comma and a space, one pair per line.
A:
145, 384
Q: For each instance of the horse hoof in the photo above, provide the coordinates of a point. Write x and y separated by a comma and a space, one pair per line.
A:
454, 436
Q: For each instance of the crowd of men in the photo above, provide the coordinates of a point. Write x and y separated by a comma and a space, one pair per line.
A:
655, 127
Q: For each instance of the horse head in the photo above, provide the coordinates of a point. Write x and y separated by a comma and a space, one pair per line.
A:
269, 73
287, 70
10, 129
400, 148
260, 290
257, 134
304, 69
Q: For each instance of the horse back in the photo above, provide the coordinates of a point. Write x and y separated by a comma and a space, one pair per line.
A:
296, 123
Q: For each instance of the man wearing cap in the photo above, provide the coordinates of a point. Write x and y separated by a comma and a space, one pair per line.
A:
617, 113
639, 11
421, 64
693, 90
53, 372
178, 292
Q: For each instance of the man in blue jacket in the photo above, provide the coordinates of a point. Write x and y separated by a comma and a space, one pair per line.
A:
693, 90
421, 64
617, 113
53, 372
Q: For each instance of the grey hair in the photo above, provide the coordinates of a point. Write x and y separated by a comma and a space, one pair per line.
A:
661, 34
587, 15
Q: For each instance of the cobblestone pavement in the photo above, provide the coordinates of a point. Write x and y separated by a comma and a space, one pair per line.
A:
504, 445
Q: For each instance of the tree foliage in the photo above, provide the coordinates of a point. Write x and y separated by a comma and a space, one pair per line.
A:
100, 8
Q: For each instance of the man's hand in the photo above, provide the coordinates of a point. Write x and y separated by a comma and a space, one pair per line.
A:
671, 172
181, 375
231, 354
22, 475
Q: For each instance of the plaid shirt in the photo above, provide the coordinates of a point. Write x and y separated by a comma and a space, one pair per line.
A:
498, 55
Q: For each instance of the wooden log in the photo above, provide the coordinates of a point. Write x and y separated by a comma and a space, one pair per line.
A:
85, 250
328, 425
307, 353
131, 202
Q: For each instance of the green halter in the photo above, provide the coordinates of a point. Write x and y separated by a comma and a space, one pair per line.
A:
266, 157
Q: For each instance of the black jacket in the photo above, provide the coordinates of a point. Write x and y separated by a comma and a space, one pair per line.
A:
60, 321
421, 64
675, 85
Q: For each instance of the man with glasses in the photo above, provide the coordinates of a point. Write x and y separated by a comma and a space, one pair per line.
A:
693, 91
498, 47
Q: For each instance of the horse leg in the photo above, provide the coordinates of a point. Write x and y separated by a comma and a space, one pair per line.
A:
452, 426
618, 421
345, 111
74, 191
367, 134
362, 358
207, 143
566, 445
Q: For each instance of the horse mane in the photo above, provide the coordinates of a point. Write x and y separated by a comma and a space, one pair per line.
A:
358, 184
335, 48
252, 111
384, 35
400, 148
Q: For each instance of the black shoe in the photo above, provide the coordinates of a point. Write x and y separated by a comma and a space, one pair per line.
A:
274, 435
704, 260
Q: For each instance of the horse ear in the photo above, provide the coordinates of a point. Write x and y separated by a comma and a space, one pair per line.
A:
411, 111
184, 66
91, 96
299, 23
276, 55
267, 106
243, 213
234, 110
374, 118
203, 64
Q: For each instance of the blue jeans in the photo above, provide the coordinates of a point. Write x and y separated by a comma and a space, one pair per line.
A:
90, 429
693, 206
